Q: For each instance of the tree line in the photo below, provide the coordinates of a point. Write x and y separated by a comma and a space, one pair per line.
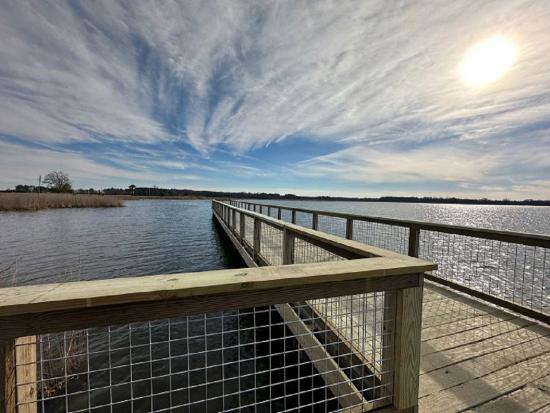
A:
58, 181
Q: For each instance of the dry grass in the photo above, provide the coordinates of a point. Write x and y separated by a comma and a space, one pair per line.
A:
32, 202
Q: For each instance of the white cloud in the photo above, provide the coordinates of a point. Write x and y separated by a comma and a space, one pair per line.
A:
246, 74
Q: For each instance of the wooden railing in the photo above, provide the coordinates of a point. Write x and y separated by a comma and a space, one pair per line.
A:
30, 314
510, 269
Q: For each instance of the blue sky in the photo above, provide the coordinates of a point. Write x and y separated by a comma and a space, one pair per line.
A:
308, 97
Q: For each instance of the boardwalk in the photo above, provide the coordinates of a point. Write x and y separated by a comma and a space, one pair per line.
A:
475, 357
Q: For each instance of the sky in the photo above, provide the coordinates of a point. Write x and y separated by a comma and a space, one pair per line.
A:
355, 98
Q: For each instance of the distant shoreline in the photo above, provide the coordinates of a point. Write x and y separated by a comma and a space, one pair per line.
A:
189, 194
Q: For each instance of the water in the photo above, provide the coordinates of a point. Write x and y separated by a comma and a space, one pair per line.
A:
531, 219
144, 237
154, 237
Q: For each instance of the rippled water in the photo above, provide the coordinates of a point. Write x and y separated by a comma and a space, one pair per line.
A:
532, 219
144, 237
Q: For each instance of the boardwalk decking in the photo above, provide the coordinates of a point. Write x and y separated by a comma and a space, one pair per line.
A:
475, 357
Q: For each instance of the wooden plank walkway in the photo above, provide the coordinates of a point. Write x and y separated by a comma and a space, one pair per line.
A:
475, 357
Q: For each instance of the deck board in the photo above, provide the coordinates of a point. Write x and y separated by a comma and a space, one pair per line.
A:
475, 358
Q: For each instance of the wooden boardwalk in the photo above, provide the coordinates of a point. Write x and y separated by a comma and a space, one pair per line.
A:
475, 357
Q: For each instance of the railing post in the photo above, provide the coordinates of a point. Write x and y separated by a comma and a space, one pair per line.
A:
261, 209
241, 224
414, 241
279, 213
234, 219
8, 391
408, 322
315, 221
268, 211
349, 228
293, 216
26, 374
257, 238
288, 247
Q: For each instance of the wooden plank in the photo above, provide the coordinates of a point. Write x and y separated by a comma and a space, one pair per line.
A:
530, 398
486, 388
408, 321
470, 323
470, 336
451, 356
349, 228
26, 374
414, 241
338, 383
8, 393
288, 247
473, 368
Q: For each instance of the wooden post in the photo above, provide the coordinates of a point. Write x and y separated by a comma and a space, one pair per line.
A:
261, 209
349, 228
8, 393
408, 323
268, 211
234, 219
25, 373
315, 221
241, 224
414, 241
279, 213
293, 216
288, 247
257, 237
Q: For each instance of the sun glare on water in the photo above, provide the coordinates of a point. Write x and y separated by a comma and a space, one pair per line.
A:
487, 61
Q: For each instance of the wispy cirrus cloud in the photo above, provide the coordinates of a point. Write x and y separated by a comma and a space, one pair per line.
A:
380, 80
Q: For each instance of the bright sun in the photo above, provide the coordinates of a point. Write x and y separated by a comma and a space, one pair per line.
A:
487, 61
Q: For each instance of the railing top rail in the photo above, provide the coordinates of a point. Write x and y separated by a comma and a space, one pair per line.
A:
537, 240
73, 305
358, 248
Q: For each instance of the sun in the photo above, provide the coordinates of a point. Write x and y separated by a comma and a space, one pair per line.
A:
487, 61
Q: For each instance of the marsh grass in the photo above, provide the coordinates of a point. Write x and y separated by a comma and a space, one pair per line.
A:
11, 201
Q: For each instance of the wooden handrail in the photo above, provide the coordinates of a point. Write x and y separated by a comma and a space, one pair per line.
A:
56, 307
536, 240
328, 241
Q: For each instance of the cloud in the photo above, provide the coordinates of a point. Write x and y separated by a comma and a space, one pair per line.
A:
243, 76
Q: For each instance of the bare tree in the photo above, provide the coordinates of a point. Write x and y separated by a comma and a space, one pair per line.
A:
58, 181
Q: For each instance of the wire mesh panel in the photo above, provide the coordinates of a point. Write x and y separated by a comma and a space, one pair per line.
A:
332, 225
515, 272
249, 230
271, 244
283, 357
305, 253
305, 219
391, 237
286, 215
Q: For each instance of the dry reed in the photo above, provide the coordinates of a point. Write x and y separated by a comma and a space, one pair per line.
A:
12, 201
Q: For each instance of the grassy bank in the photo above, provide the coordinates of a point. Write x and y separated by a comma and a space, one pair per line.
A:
33, 202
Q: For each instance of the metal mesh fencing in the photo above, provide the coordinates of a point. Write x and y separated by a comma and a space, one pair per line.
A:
514, 272
271, 245
391, 237
284, 357
332, 225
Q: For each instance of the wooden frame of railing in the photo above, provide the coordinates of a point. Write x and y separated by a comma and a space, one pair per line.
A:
38, 309
414, 228
406, 307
